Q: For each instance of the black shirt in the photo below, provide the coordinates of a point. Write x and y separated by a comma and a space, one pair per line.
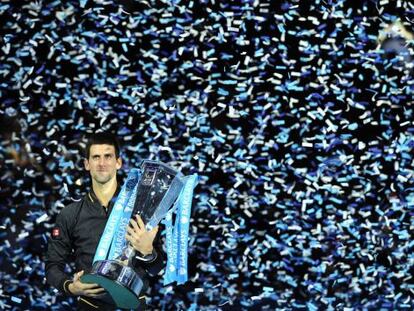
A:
76, 235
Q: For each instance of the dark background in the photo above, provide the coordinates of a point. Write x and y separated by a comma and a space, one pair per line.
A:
298, 123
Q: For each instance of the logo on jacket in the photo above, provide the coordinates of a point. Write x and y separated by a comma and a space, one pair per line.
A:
56, 233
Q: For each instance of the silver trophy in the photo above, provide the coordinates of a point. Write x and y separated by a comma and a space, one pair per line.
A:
158, 188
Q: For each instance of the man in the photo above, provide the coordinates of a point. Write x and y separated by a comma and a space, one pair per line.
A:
80, 225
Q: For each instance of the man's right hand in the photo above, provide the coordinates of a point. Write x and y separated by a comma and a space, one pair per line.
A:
78, 288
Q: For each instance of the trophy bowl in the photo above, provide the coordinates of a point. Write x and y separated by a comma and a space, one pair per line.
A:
120, 281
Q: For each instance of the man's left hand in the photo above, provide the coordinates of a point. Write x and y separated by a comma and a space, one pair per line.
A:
140, 238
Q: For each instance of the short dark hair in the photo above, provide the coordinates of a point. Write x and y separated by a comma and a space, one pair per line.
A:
101, 139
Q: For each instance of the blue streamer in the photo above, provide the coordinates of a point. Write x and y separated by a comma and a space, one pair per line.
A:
177, 236
114, 220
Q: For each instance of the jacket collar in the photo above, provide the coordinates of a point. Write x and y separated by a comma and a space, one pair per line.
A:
94, 199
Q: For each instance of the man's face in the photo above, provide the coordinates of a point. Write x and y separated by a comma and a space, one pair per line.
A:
102, 163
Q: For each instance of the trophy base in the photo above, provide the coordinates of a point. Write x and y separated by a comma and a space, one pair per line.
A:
121, 282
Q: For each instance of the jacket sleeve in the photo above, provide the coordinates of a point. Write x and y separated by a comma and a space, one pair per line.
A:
158, 263
59, 252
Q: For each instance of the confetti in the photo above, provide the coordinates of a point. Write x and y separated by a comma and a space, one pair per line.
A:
297, 118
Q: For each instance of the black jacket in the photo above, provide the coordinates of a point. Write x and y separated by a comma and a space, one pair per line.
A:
75, 237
